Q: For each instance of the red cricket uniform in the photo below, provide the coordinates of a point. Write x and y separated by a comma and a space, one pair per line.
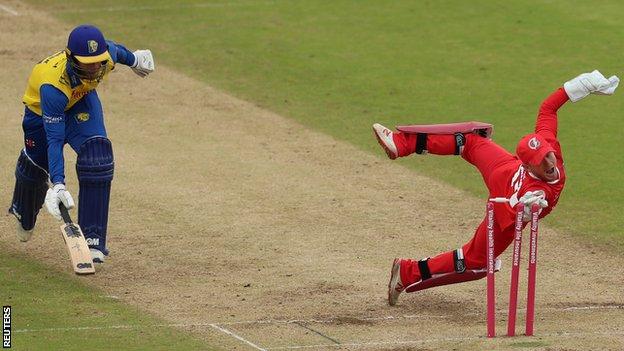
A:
504, 176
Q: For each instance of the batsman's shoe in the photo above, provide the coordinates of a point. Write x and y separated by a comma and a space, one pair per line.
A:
384, 138
97, 255
23, 234
395, 286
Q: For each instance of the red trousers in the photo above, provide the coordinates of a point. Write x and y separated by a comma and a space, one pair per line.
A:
489, 158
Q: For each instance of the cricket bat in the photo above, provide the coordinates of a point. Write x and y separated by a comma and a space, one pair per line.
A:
76, 245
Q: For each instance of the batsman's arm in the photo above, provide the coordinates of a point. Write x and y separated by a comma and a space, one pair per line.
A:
53, 103
120, 54
141, 61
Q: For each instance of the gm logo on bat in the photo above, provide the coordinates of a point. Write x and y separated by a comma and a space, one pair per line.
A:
84, 265
6, 327
73, 231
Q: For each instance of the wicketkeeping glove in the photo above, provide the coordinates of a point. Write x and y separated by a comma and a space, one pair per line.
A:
590, 83
143, 63
54, 197
533, 197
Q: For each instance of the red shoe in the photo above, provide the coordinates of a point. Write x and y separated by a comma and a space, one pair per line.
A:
395, 286
384, 138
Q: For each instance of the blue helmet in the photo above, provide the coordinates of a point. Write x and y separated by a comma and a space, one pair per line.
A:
86, 45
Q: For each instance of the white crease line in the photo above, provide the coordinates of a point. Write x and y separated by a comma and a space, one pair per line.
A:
418, 316
375, 343
372, 343
87, 328
580, 308
335, 319
426, 341
344, 320
236, 336
9, 10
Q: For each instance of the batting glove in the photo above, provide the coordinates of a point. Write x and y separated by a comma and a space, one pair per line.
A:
590, 83
54, 197
143, 63
529, 199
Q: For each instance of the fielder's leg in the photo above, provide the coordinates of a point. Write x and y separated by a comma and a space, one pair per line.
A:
455, 139
457, 266
95, 168
426, 279
28, 195
440, 139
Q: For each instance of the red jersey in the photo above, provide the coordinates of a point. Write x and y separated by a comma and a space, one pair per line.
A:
511, 180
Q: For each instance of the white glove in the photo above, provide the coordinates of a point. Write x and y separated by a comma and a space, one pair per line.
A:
54, 197
590, 83
529, 199
143, 63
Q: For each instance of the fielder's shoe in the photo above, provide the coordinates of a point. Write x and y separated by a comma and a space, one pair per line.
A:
395, 286
97, 255
384, 138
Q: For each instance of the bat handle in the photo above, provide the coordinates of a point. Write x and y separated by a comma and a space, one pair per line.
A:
65, 213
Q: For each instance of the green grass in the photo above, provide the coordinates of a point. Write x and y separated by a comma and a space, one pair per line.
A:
339, 66
49, 307
531, 345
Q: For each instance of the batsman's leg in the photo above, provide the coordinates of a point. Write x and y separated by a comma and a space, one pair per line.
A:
86, 134
95, 168
28, 195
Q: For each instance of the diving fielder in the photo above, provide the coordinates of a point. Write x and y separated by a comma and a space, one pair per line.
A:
535, 175
62, 107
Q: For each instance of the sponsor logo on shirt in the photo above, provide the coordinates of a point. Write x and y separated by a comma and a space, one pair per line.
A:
78, 94
82, 117
52, 119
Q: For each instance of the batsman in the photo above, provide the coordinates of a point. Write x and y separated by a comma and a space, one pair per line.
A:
63, 107
534, 175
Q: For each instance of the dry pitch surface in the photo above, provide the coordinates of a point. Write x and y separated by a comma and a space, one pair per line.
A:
256, 233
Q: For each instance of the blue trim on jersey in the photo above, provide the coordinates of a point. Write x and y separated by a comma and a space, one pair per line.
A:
53, 103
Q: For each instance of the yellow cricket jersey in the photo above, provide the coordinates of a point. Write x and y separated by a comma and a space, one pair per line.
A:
52, 70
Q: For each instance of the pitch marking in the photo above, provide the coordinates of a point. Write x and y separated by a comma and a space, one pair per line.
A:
9, 10
293, 321
238, 337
